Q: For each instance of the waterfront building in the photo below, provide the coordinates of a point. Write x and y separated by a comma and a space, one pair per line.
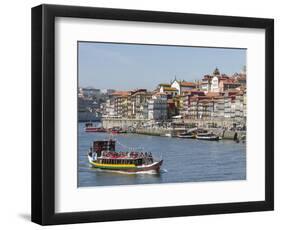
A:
205, 108
216, 97
180, 105
221, 82
138, 104
171, 91
239, 106
187, 95
215, 84
117, 101
228, 106
124, 105
157, 107
218, 107
171, 108
193, 107
227, 85
108, 108
182, 85
176, 87
215, 80
206, 83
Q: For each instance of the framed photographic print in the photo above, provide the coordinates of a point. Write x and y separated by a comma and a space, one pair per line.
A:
142, 114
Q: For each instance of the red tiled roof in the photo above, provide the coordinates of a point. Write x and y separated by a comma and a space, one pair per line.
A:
187, 84
121, 93
212, 94
165, 84
170, 89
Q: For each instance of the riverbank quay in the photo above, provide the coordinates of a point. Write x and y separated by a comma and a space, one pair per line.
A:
125, 123
221, 127
224, 134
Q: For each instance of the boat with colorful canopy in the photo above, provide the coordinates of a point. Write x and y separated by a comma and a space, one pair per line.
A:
102, 155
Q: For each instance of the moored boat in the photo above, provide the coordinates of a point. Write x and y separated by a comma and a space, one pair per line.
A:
186, 135
102, 155
89, 127
166, 135
117, 130
207, 136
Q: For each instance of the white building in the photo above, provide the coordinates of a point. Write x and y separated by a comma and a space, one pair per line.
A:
206, 83
182, 86
109, 108
157, 107
215, 81
169, 90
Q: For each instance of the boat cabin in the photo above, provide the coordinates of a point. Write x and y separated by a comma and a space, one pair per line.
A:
99, 146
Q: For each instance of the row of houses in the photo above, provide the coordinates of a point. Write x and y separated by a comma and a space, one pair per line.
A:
214, 96
230, 104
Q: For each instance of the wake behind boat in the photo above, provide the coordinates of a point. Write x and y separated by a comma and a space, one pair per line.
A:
102, 155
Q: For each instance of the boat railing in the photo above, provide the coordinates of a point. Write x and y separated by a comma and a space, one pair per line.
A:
131, 155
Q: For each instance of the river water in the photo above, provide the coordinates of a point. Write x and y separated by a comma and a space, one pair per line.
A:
185, 160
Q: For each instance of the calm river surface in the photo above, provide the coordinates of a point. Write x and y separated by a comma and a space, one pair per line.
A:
185, 160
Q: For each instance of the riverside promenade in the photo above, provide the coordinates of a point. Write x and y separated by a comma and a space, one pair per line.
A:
219, 127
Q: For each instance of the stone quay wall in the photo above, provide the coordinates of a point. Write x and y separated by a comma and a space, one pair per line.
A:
109, 123
179, 128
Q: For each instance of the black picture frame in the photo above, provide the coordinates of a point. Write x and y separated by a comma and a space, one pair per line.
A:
43, 114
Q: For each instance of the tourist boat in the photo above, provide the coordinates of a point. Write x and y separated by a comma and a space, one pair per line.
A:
186, 135
207, 136
89, 127
102, 155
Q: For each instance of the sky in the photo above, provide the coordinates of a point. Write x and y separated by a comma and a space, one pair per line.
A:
131, 66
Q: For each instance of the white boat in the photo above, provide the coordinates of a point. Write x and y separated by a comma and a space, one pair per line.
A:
186, 135
207, 136
167, 135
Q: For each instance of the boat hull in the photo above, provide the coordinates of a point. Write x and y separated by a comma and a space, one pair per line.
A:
94, 129
214, 138
186, 136
155, 166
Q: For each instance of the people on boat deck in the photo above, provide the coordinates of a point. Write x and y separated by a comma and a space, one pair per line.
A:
146, 155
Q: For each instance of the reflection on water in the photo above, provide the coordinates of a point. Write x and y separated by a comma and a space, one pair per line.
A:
185, 160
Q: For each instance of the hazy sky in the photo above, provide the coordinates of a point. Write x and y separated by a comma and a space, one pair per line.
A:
130, 66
